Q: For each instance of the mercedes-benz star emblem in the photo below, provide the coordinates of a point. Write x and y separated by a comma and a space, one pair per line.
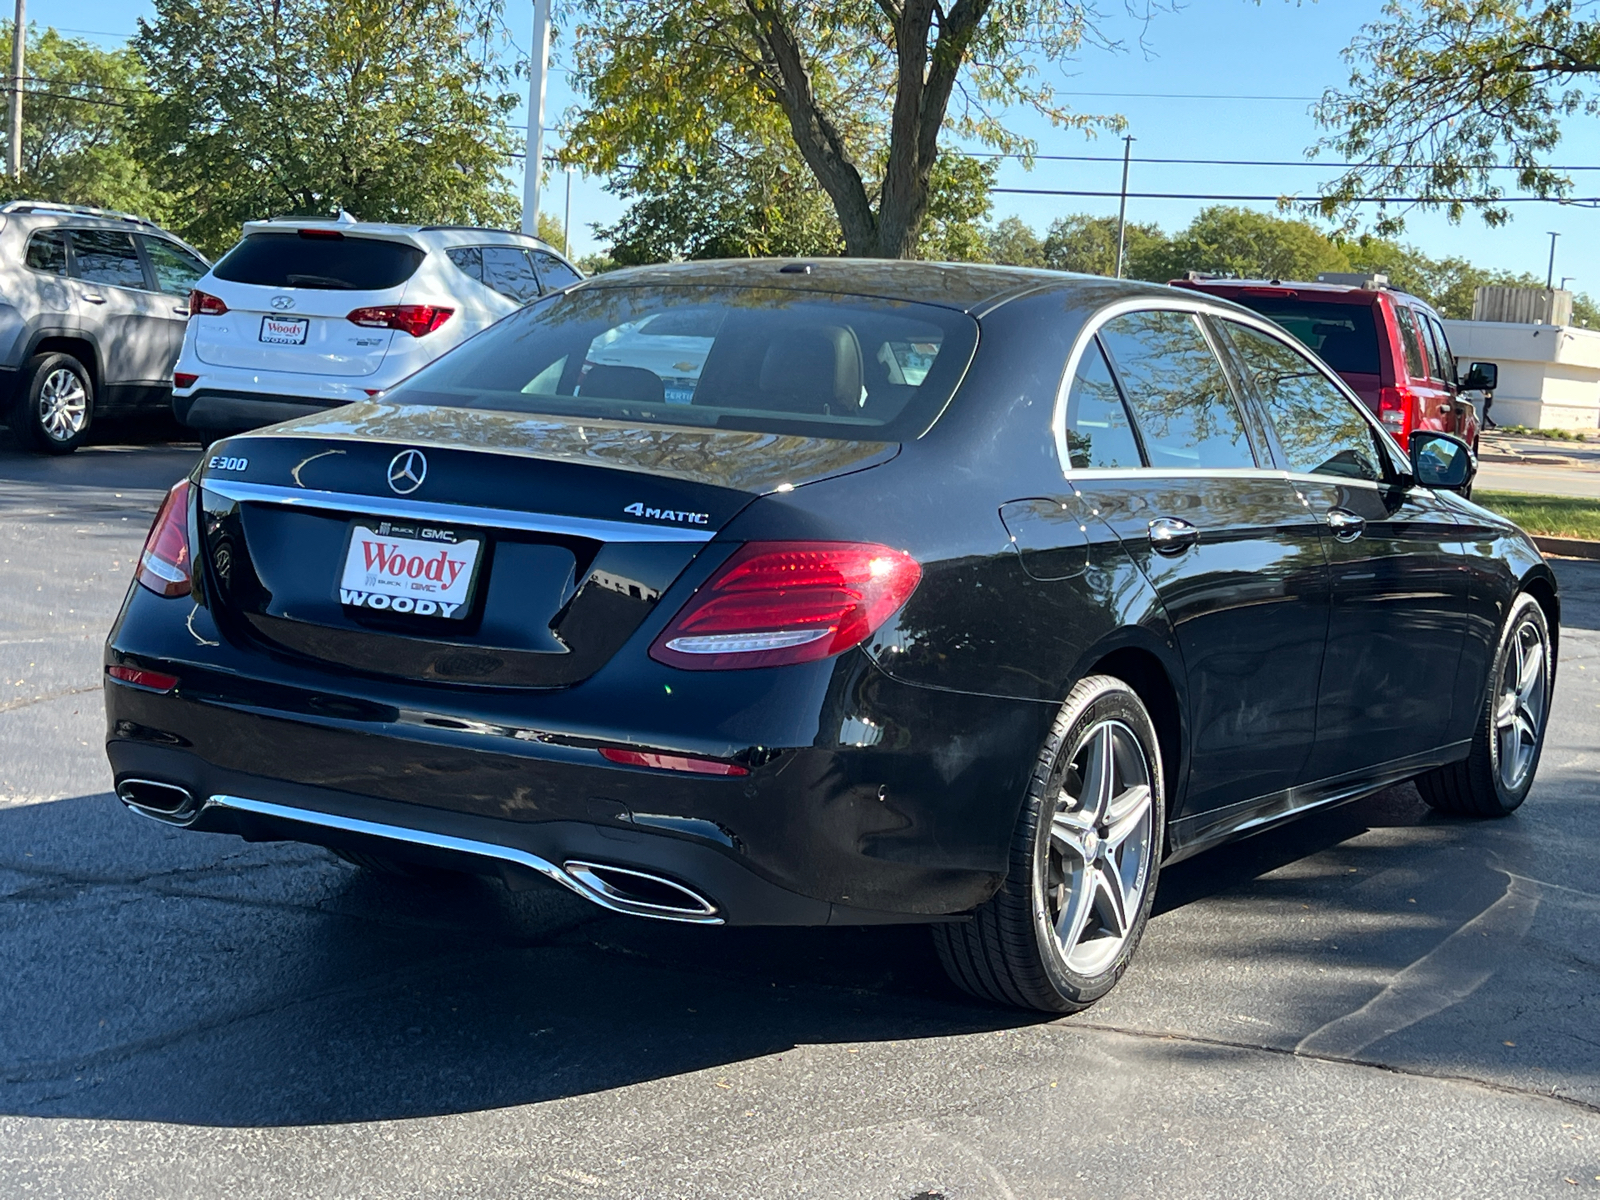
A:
407, 470
282, 303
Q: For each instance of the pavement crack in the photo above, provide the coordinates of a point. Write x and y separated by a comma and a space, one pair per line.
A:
10, 705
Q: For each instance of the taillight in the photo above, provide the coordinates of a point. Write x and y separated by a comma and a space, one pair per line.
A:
204, 304
1394, 409
775, 603
670, 762
415, 319
182, 379
164, 565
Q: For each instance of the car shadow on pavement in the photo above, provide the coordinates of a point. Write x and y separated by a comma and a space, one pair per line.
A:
158, 975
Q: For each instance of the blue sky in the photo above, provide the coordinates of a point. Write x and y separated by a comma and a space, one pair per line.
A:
1213, 48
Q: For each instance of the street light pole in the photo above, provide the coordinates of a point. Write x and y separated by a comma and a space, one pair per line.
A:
1122, 209
538, 64
1550, 275
19, 38
566, 220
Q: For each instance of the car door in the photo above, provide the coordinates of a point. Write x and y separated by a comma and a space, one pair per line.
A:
1433, 399
120, 312
1230, 550
174, 272
1396, 567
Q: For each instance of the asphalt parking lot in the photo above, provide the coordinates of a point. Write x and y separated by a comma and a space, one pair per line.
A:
1373, 1002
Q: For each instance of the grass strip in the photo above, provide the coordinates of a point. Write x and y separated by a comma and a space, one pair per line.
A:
1548, 516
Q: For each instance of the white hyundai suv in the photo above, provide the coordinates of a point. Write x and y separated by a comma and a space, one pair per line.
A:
302, 315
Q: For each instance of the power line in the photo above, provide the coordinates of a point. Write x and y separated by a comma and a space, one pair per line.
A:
1244, 162
1583, 200
1187, 96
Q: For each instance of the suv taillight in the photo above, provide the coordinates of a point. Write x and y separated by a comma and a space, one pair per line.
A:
776, 603
204, 304
164, 564
1395, 406
415, 319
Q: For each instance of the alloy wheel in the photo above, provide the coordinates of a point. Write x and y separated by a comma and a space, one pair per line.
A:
1520, 709
1097, 864
63, 405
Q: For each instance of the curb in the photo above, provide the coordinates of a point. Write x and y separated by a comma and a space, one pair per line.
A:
1568, 547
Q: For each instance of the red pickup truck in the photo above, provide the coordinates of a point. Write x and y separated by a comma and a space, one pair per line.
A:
1390, 347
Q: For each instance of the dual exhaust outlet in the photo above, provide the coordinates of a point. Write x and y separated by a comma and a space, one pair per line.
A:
616, 888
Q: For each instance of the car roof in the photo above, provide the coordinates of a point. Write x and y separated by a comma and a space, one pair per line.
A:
419, 235
1338, 293
44, 214
973, 288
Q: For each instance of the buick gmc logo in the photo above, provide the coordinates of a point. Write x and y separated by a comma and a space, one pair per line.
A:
282, 303
407, 470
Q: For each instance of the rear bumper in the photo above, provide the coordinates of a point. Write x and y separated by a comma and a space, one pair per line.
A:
231, 412
866, 800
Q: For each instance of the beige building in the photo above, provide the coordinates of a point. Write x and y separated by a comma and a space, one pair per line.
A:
1549, 374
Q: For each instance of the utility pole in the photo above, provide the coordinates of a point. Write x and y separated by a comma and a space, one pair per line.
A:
1122, 209
1550, 275
566, 220
19, 37
538, 64
1564, 280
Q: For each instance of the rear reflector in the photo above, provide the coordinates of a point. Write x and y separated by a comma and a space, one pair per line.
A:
182, 379
415, 319
670, 762
139, 677
776, 603
164, 564
204, 304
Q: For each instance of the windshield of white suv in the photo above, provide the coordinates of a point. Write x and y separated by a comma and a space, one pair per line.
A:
723, 357
319, 258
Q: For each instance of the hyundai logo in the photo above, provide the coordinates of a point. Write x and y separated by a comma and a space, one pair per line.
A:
282, 303
407, 470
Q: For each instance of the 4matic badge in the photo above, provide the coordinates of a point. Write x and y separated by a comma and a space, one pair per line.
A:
636, 509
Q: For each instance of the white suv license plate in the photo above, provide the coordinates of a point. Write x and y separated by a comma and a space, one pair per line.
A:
417, 569
285, 331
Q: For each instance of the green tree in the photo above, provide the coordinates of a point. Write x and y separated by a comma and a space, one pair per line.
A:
1451, 101
1252, 245
1014, 243
389, 109
78, 122
863, 90
1088, 245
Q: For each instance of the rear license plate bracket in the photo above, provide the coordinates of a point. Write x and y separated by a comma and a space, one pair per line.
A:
411, 569
285, 331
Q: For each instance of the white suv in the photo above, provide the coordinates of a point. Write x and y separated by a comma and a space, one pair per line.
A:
302, 315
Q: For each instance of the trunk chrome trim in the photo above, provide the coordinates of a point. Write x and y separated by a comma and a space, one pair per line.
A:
452, 514
574, 881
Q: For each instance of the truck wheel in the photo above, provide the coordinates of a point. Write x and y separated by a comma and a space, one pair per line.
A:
54, 405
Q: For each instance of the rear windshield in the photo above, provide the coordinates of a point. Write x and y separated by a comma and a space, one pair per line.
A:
1342, 334
346, 264
726, 358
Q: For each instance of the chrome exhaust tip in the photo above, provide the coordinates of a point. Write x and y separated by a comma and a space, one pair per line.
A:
163, 801
624, 889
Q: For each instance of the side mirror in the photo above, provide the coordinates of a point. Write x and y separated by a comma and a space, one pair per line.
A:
1481, 377
1441, 460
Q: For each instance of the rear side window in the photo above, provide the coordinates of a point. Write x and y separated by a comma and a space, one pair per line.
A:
1099, 433
1179, 394
1320, 430
1410, 342
757, 359
106, 256
469, 259
553, 273
341, 263
176, 270
47, 252
507, 270
1344, 336
1444, 363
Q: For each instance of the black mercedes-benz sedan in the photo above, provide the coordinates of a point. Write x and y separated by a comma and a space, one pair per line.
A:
841, 592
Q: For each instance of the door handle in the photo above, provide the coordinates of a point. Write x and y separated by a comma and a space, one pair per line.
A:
92, 299
1172, 535
1346, 525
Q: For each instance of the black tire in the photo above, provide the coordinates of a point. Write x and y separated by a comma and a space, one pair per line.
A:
54, 405
1489, 782
1010, 952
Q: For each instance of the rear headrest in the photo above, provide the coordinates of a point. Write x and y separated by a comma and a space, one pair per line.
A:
624, 383
815, 369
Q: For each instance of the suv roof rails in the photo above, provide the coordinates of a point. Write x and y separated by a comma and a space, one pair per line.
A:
80, 210
481, 229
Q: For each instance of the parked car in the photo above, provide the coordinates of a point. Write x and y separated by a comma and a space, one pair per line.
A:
1389, 346
92, 312
953, 594
303, 315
